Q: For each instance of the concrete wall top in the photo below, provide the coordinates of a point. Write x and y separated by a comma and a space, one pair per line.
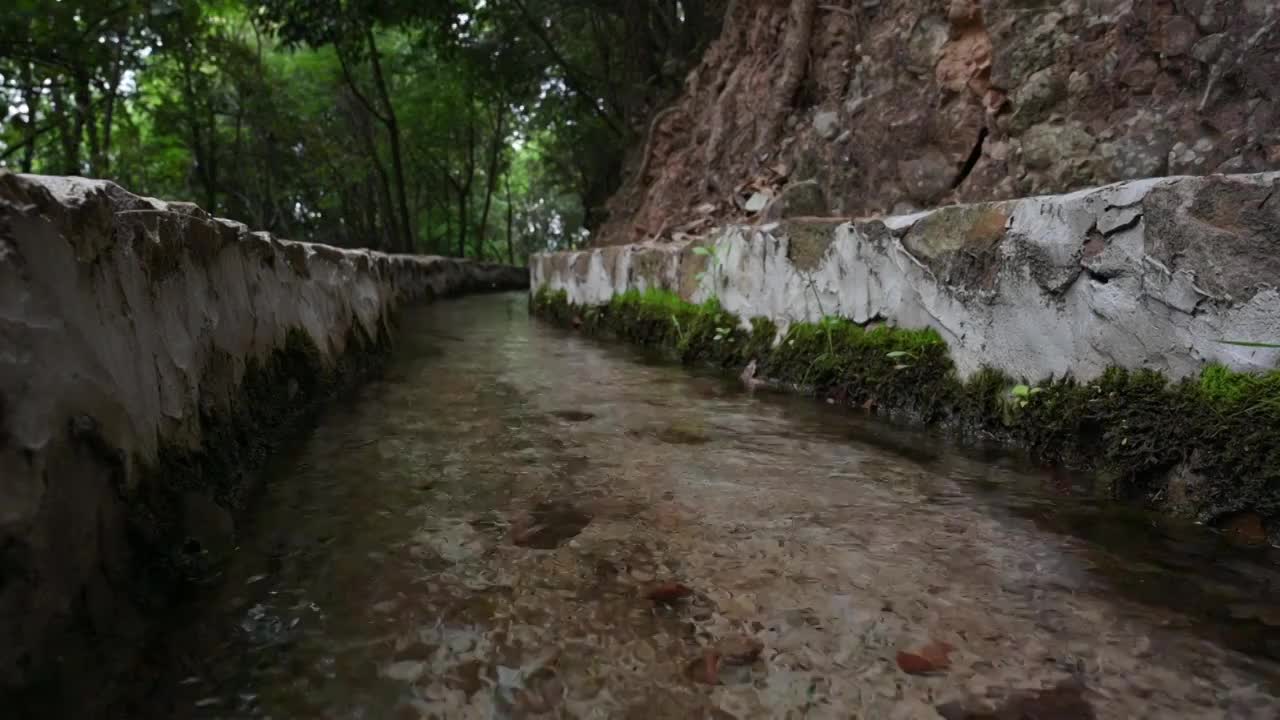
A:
1152, 273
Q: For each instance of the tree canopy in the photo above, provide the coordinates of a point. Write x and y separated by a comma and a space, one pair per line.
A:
482, 128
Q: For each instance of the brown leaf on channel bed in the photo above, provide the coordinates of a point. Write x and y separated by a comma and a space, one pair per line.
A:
932, 658
706, 669
668, 592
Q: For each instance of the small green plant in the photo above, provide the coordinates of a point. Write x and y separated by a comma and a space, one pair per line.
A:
675, 321
722, 333
1022, 394
904, 357
715, 261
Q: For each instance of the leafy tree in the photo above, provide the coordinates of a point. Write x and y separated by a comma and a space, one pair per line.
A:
465, 127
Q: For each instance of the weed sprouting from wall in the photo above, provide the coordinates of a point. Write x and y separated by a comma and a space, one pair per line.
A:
715, 256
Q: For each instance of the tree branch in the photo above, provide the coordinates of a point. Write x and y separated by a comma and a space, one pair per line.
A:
572, 75
355, 89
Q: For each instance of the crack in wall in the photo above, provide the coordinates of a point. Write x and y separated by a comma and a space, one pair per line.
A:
970, 162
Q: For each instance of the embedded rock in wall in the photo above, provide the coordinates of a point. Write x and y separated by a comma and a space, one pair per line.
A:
907, 104
1143, 274
147, 352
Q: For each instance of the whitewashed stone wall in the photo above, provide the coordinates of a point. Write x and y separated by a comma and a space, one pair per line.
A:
1152, 273
123, 320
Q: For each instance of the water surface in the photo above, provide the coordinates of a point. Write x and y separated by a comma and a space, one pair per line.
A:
483, 533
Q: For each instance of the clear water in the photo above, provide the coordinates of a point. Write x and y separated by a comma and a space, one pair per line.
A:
478, 534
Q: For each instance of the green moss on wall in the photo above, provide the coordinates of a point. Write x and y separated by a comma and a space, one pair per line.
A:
273, 398
1132, 427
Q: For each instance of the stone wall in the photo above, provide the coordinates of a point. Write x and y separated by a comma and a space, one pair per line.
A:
911, 104
148, 355
1142, 274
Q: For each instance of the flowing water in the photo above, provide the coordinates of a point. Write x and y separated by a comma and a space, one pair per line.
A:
518, 522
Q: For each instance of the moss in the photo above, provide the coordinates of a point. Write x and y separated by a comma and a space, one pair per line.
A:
807, 243
1132, 427
273, 398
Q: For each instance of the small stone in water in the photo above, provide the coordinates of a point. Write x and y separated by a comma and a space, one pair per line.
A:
405, 670
549, 526
739, 649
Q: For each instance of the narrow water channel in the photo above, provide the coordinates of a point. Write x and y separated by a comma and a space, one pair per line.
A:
518, 522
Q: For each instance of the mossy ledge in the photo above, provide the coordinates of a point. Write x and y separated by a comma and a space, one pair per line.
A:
1206, 447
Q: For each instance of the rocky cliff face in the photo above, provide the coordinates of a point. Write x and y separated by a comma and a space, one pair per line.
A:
148, 355
865, 107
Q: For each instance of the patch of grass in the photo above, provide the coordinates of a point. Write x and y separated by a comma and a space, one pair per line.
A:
1133, 427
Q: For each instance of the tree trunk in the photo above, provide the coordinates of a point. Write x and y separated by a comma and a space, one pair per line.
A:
31, 96
464, 188
491, 181
393, 130
102, 162
84, 121
795, 50
202, 147
69, 163
108, 119
462, 220
370, 207
448, 228
511, 243
211, 157
393, 237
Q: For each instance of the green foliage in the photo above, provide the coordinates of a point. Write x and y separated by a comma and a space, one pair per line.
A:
1132, 427
480, 128
715, 262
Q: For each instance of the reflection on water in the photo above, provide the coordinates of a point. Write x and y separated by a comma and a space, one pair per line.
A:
516, 522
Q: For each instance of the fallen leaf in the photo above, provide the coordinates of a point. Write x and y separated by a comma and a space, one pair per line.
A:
668, 592
938, 653
913, 664
934, 657
705, 669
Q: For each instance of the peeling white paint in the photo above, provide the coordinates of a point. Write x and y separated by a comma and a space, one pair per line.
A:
1049, 309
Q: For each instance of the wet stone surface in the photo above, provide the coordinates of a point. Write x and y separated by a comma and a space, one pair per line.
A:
450, 544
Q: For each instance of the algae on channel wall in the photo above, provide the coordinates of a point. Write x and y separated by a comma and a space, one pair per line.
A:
273, 397
1206, 447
